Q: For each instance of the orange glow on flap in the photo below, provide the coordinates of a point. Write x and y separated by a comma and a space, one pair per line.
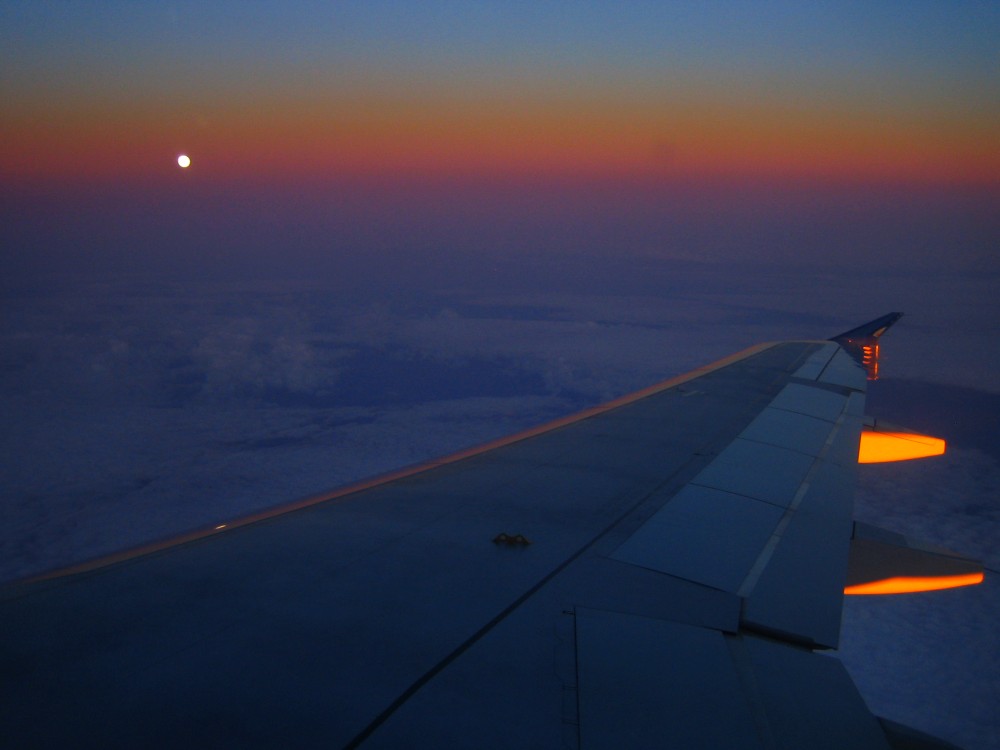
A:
906, 585
878, 447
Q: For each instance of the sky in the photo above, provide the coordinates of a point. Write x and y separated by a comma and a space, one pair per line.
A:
699, 130
408, 228
827, 91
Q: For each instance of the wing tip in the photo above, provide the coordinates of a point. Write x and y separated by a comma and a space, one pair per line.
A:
873, 329
862, 342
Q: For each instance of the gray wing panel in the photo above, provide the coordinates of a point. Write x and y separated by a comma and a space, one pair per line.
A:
704, 535
757, 470
817, 361
844, 370
807, 399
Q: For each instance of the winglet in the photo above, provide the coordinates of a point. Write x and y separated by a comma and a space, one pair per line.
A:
862, 342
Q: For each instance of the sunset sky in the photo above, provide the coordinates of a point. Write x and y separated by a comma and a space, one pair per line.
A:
444, 120
410, 227
904, 92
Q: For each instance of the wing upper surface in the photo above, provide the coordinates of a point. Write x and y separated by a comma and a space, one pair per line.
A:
715, 504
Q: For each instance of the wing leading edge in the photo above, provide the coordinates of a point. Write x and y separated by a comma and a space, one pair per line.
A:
689, 547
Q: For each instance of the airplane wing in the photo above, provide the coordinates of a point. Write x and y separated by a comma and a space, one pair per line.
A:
663, 570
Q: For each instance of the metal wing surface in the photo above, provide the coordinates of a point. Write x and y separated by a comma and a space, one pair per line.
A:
660, 570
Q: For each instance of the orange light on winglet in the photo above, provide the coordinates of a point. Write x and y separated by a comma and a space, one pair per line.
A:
869, 357
879, 447
906, 585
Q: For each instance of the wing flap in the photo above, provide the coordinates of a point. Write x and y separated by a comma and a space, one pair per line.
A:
809, 699
769, 518
653, 683
703, 535
799, 592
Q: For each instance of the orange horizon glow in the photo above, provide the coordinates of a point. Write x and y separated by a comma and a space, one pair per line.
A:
910, 585
473, 134
882, 447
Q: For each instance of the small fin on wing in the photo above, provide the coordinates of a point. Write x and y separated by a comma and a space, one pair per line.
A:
862, 342
884, 562
871, 329
882, 442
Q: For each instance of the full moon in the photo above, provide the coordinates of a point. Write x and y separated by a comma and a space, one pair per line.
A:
183, 161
